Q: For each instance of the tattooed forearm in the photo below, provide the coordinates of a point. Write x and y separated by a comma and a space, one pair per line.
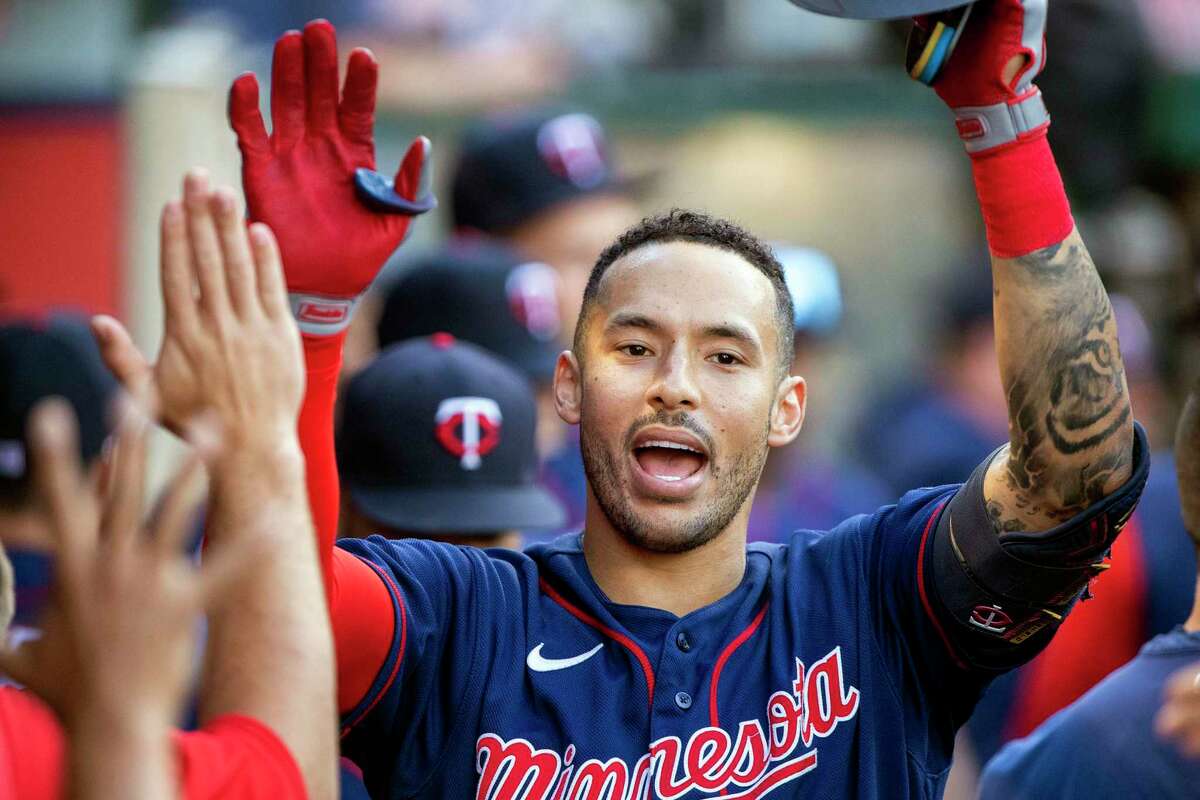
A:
1069, 415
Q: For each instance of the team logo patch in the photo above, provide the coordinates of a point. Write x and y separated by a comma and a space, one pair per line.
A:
532, 291
990, 619
752, 762
573, 148
468, 428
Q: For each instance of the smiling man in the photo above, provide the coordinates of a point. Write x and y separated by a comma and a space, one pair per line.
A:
656, 654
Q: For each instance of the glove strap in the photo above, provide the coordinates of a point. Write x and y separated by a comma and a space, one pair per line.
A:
319, 315
988, 127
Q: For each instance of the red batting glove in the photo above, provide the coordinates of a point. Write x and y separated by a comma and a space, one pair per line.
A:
1003, 125
335, 230
990, 112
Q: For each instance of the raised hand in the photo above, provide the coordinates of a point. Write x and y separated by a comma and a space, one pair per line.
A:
230, 347
118, 636
312, 179
988, 81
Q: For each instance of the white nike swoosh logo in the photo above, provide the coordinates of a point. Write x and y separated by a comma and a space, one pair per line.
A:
537, 663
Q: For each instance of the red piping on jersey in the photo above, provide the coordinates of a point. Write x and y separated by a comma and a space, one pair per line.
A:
738, 641
921, 587
607, 631
395, 592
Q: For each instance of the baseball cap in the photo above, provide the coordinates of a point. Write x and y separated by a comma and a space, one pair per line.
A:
511, 167
54, 359
437, 436
481, 292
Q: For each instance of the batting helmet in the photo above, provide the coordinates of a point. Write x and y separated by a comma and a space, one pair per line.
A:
877, 9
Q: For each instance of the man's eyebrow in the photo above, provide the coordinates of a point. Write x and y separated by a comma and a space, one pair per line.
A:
731, 330
627, 319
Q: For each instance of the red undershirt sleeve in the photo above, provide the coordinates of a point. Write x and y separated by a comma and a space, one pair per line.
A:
323, 361
360, 607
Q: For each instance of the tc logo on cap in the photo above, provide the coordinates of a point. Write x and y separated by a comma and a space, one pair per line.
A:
573, 147
532, 291
469, 428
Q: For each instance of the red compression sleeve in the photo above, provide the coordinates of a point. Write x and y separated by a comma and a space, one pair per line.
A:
364, 624
323, 359
1022, 197
236, 756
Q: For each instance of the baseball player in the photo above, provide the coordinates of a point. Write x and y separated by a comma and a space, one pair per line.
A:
655, 654
1117, 718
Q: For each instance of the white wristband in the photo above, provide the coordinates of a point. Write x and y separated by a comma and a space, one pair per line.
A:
984, 127
318, 315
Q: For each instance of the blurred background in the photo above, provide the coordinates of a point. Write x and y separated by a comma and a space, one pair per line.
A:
804, 129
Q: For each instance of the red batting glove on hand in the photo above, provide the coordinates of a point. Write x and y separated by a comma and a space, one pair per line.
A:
990, 112
335, 231
1003, 125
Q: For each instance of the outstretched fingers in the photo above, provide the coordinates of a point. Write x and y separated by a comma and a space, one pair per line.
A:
205, 246
121, 526
272, 292
321, 75
177, 278
356, 114
121, 355
287, 91
235, 250
245, 117
58, 480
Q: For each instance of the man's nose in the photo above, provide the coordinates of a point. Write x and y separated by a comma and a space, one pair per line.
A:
674, 387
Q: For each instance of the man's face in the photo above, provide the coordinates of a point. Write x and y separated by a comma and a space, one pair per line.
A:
677, 389
569, 237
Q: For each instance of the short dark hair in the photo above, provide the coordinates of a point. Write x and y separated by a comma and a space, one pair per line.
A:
683, 225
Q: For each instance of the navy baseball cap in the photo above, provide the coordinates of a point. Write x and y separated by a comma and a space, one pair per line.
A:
484, 293
57, 358
511, 167
437, 436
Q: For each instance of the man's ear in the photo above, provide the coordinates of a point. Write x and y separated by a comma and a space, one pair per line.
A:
787, 413
568, 387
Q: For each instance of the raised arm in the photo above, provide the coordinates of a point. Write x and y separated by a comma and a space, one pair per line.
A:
1070, 424
312, 180
1032, 527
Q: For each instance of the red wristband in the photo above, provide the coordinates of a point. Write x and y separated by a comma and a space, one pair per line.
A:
1021, 195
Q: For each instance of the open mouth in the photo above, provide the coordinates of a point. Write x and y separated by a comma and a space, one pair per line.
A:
671, 462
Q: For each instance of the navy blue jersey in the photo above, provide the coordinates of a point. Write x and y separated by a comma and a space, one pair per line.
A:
1104, 745
511, 675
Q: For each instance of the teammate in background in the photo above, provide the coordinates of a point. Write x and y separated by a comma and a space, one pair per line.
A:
483, 292
436, 441
40, 358
268, 641
545, 185
1123, 757
801, 487
656, 652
